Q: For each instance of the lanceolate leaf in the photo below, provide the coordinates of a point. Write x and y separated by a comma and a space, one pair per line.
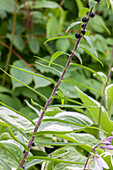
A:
83, 11
53, 160
72, 25
13, 136
55, 38
90, 43
91, 54
102, 25
108, 2
55, 55
52, 63
78, 56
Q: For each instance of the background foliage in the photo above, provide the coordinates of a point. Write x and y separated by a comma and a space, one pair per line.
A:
23, 31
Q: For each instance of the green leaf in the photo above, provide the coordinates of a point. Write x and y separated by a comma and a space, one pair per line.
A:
90, 43
53, 159
83, 11
2, 145
7, 5
18, 112
13, 136
4, 164
10, 124
40, 82
25, 85
102, 25
72, 25
91, 54
55, 55
92, 3
55, 38
62, 45
22, 76
34, 103
33, 44
109, 99
87, 68
78, 56
45, 4
52, 63
79, 84
108, 3
79, 4
52, 28
18, 41
105, 123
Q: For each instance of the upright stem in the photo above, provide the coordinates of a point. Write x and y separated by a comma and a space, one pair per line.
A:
11, 42
53, 93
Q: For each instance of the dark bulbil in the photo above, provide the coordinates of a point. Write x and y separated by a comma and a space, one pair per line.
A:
98, 0
84, 19
82, 25
83, 32
92, 14
77, 35
33, 144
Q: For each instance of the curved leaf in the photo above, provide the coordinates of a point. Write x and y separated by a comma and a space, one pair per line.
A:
83, 11
56, 38
72, 25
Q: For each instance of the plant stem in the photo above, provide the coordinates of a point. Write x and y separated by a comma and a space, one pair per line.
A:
11, 43
53, 93
90, 155
102, 96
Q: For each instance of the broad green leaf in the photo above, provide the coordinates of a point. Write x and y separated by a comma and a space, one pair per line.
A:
33, 44
4, 164
52, 28
45, 4
25, 85
62, 45
41, 82
11, 153
55, 55
79, 4
105, 123
87, 68
102, 25
78, 56
18, 113
72, 25
83, 11
60, 144
34, 74
109, 99
53, 160
22, 76
7, 5
68, 153
90, 43
91, 54
56, 38
79, 84
18, 41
